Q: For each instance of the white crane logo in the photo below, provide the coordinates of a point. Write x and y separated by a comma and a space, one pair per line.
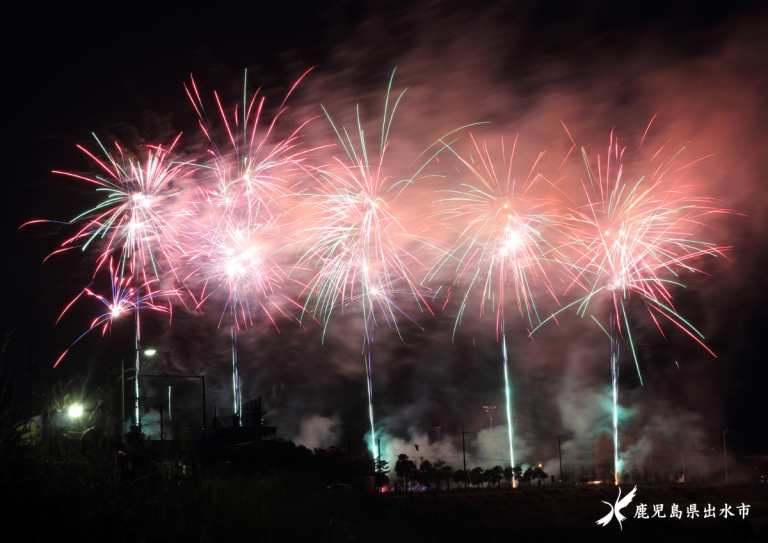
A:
620, 504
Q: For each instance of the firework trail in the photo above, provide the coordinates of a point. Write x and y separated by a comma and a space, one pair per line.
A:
232, 243
355, 244
505, 234
635, 236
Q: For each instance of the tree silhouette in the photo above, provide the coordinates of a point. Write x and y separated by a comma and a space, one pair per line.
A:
494, 476
460, 476
518, 474
405, 468
426, 473
382, 468
446, 472
477, 476
438, 472
527, 475
538, 473
509, 475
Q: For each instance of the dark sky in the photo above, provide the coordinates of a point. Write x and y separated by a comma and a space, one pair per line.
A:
119, 70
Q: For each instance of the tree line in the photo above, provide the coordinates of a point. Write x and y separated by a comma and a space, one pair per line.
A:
432, 474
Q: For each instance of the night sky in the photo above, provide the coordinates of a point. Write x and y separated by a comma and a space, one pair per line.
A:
119, 72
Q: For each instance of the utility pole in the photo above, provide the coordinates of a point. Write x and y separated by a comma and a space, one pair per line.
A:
653, 470
560, 454
490, 409
464, 453
725, 455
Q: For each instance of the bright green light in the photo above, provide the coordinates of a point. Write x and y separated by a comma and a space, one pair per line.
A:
150, 352
75, 410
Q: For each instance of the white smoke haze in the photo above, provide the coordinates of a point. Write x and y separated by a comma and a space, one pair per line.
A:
318, 432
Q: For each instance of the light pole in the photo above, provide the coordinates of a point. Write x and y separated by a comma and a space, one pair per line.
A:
437, 429
725, 455
490, 409
560, 454
147, 352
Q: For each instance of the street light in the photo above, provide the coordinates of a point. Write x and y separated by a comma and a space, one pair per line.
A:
75, 410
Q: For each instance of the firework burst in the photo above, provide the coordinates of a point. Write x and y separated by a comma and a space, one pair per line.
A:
249, 168
636, 237
355, 245
235, 254
136, 220
504, 240
235, 236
